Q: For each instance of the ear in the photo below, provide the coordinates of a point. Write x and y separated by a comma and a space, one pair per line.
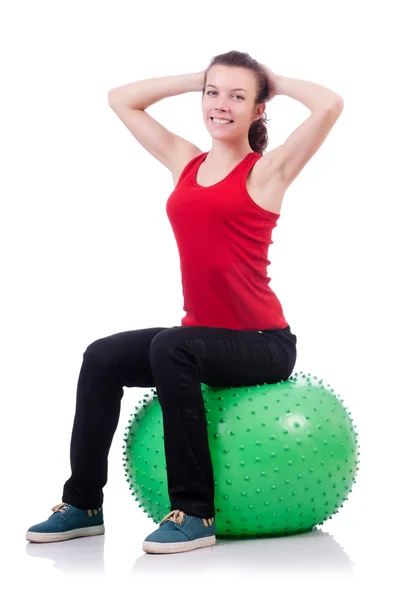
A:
259, 110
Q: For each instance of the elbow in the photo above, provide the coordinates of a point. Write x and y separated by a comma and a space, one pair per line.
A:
337, 103
111, 96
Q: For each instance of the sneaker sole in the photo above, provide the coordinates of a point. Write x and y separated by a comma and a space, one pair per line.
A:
60, 536
163, 548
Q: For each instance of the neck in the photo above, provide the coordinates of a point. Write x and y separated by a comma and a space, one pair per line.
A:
226, 154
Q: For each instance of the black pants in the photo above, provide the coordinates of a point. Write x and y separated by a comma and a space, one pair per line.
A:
174, 360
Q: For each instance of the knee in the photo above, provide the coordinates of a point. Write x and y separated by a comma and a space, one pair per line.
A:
99, 350
159, 343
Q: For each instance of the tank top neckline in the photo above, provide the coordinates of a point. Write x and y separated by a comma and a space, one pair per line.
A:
199, 162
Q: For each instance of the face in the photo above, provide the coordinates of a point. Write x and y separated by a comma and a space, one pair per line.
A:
222, 99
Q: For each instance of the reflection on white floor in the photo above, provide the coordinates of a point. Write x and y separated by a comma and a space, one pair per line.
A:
311, 552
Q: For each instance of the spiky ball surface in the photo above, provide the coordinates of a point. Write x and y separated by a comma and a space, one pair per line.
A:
284, 456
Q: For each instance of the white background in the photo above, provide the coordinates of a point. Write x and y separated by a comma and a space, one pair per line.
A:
87, 251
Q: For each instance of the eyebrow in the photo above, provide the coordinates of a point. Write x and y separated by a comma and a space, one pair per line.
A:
233, 90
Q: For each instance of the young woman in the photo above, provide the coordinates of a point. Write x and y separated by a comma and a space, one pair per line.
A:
223, 209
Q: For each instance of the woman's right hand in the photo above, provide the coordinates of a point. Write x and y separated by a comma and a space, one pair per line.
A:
200, 79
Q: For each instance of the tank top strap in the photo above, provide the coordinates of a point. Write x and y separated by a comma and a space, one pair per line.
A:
190, 169
240, 173
249, 161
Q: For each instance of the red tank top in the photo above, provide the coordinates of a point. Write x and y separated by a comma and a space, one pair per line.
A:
223, 238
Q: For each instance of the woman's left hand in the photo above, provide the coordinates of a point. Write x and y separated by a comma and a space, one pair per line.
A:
272, 80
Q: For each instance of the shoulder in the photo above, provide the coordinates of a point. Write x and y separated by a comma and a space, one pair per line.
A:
268, 167
269, 162
182, 159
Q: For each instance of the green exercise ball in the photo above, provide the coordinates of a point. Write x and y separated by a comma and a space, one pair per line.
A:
284, 456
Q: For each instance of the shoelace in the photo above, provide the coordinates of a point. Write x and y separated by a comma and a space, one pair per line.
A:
177, 517
60, 508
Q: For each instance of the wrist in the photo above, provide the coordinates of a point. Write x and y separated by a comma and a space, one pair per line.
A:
199, 81
278, 85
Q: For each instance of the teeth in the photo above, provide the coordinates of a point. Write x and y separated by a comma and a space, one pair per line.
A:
220, 121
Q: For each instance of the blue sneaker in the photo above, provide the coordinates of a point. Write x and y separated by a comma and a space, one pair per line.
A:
179, 532
67, 522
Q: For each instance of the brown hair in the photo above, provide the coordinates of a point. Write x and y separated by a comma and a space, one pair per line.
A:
257, 134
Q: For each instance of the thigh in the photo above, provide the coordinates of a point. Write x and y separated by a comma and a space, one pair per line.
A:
128, 353
229, 357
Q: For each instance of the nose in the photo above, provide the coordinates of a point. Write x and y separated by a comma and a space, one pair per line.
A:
221, 105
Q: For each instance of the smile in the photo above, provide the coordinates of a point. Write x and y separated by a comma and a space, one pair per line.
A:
221, 121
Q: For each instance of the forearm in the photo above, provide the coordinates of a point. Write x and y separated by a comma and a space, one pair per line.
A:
312, 95
141, 94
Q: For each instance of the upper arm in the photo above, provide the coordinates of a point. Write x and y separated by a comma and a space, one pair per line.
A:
173, 151
290, 158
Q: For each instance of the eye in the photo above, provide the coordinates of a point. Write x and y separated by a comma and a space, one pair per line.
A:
213, 92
